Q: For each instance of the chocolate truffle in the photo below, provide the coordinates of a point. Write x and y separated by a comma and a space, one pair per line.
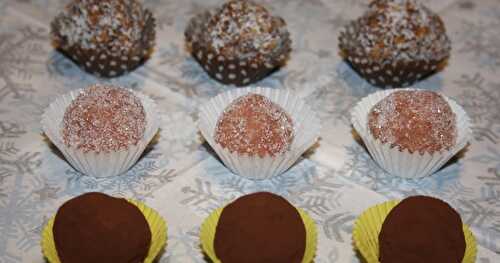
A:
106, 37
422, 229
238, 43
254, 125
416, 120
95, 227
395, 43
260, 227
103, 118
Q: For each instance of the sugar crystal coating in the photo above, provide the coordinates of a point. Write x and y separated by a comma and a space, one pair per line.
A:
103, 118
254, 125
403, 30
419, 121
112, 25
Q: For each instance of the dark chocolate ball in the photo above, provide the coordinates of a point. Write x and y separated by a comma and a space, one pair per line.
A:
97, 228
422, 229
260, 227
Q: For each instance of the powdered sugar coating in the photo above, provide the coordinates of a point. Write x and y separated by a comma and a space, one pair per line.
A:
244, 29
397, 30
254, 125
419, 121
103, 118
112, 25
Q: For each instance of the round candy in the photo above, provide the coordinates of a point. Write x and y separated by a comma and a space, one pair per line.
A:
260, 227
98, 228
103, 119
422, 229
243, 28
112, 25
401, 30
254, 125
419, 121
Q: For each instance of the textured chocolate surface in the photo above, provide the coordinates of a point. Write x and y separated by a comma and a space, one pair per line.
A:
419, 121
260, 227
395, 43
422, 229
254, 125
238, 43
97, 228
398, 30
106, 38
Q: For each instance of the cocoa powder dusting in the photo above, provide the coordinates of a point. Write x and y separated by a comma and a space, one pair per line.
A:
260, 227
422, 229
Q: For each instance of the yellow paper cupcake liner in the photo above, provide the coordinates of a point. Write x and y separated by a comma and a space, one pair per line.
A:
367, 228
208, 228
156, 224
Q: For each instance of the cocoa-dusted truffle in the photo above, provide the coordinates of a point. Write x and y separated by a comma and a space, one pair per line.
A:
260, 227
96, 228
103, 118
416, 120
238, 43
254, 125
395, 43
422, 229
105, 37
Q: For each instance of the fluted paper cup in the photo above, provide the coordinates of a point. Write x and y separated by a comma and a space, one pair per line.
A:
305, 123
103, 164
402, 163
156, 224
209, 227
369, 224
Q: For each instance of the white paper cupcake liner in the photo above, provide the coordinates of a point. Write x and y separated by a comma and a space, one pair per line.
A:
403, 163
102, 164
306, 132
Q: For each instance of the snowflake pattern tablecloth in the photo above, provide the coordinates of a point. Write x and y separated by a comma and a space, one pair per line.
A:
180, 177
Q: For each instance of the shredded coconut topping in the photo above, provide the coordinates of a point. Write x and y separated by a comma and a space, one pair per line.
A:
403, 30
420, 121
253, 124
103, 118
244, 29
113, 25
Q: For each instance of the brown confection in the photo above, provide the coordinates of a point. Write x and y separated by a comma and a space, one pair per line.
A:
238, 43
97, 228
422, 229
395, 43
105, 37
254, 125
103, 118
419, 121
260, 227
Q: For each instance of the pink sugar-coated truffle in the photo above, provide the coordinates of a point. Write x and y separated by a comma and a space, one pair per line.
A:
254, 125
103, 118
419, 121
